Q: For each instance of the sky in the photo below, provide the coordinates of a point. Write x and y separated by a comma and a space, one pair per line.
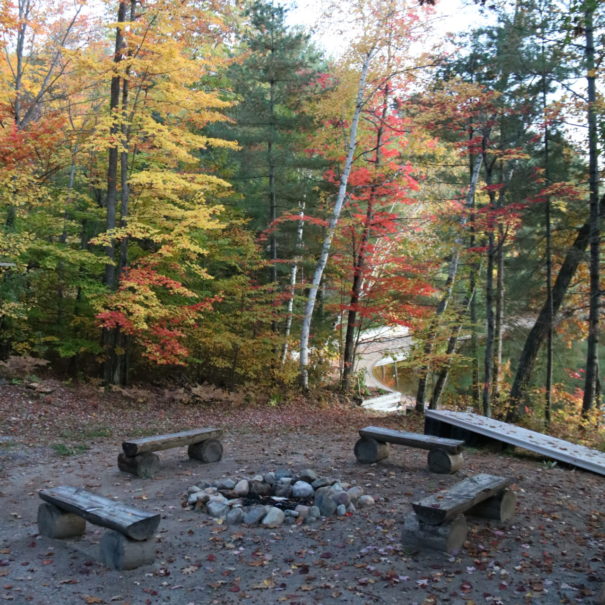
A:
450, 16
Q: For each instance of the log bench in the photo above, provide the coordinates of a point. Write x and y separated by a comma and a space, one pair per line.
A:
138, 457
128, 543
445, 455
439, 521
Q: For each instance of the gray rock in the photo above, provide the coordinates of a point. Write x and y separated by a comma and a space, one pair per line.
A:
193, 489
321, 482
291, 513
269, 478
198, 498
355, 493
258, 478
274, 517
225, 484
324, 501
351, 508
217, 509
192, 498
341, 510
313, 515
235, 516
281, 473
308, 475
228, 493
337, 487
302, 510
283, 487
365, 501
241, 488
302, 489
254, 514
342, 498
260, 488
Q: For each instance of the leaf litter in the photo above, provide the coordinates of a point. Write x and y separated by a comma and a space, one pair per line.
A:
553, 550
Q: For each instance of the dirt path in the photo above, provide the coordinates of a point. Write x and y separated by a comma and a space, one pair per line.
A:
552, 552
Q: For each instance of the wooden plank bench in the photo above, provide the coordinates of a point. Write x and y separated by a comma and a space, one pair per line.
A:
439, 521
127, 545
138, 457
445, 455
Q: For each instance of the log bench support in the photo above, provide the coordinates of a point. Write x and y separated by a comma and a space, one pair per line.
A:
438, 521
444, 457
127, 544
138, 457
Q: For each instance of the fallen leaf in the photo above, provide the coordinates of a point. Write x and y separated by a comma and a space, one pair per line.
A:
266, 583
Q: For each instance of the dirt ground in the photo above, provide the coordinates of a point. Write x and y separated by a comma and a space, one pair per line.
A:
551, 552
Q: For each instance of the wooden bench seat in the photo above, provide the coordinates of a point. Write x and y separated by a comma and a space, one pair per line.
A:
439, 521
445, 455
128, 545
138, 457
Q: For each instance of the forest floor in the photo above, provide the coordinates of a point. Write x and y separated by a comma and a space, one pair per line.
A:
553, 550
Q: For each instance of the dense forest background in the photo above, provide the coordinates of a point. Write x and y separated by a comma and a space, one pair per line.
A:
194, 191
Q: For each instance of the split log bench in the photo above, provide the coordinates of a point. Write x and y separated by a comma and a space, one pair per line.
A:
128, 543
138, 457
445, 455
439, 521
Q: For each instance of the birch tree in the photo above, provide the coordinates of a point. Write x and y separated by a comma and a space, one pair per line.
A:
379, 27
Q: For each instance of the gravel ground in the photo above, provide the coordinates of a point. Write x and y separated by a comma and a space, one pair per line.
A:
551, 552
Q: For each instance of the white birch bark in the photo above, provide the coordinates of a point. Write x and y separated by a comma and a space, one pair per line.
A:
327, 243
293, 275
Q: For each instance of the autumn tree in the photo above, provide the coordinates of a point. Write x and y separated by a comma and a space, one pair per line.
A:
36, 87
153, 137
383, 32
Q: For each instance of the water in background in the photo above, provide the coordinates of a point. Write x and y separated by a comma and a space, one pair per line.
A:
397, 377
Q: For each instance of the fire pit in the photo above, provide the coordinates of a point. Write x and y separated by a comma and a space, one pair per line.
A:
283, 496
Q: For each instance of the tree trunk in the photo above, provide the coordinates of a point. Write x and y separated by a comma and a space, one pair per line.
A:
489, 332
114, 370
499, 301
327, 243
548, 252
472, 286
533, 342
452, 345
488, 353
24, 8
592, 366
350, 343
111, 199
449, 286
360, 262
293, 276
